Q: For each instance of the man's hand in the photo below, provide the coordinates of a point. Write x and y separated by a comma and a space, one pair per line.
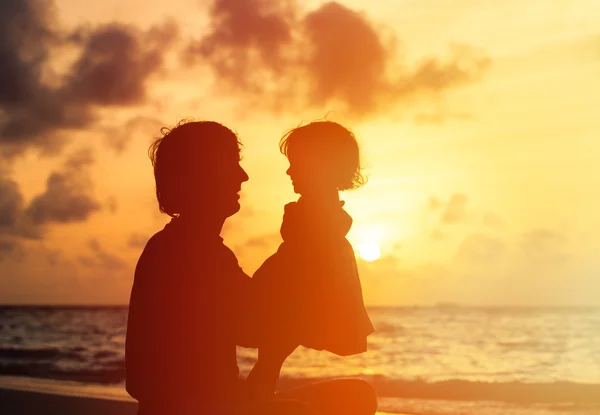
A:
276, 353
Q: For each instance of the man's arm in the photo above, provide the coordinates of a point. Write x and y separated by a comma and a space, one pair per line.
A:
246, 309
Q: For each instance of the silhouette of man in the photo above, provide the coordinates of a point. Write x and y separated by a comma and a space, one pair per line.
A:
191, 303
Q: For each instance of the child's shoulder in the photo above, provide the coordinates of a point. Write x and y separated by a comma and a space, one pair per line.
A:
305, 220
290, 207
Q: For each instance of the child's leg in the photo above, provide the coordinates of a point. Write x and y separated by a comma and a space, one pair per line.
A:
263, 377
262, 380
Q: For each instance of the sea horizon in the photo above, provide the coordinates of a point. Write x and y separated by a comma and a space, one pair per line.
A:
441, 305
443, 358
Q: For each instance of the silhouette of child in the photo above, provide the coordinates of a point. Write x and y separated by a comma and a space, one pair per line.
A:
310, 288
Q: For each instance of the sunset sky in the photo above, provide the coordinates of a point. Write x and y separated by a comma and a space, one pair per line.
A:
479, 123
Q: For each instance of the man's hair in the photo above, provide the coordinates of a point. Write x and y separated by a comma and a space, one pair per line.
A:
188, 150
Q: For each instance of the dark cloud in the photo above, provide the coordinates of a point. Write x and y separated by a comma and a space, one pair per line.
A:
480, 248
115, 64
347, 58
13, 221
24, 38
331, 55
55, 257
11, 203
27, 32
101, 259
138, 240
119, 137
349, 62
244, 37
8, 247
455, 209
112, 66
69, 193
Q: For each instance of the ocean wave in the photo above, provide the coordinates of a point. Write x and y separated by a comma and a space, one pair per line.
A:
464, 390
108, 375
44, 353
113, 372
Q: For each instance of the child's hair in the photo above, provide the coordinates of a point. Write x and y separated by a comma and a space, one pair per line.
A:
332, 143
184, 152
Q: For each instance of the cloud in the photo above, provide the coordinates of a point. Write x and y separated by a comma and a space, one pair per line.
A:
119, 137
325, 57
347, 58
112, 205
544, 246
455, 209
440, 117
13, 221
434, 203
244, 37
480, 249
260, 242
437, 234
11, 203
388, 281
112, 67
8, 248
263, 241
350, 62
27, 32
101, 259
492, 220
116, 62
138, 240
69, 194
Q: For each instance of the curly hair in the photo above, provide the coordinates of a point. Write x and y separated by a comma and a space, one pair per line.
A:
182, 151
334, 143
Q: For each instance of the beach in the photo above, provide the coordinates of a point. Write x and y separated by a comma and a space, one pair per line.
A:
421, 360
45, 397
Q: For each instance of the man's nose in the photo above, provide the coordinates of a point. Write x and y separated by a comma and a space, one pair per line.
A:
288, 171
244, 176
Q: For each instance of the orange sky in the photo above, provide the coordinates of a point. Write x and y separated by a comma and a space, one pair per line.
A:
478, 122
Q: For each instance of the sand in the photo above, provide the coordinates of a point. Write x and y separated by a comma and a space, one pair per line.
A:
18, 402
23, 396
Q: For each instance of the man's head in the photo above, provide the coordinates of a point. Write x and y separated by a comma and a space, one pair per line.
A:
197, 170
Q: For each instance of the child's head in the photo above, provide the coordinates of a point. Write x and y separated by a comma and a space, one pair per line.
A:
197, 170
323, 155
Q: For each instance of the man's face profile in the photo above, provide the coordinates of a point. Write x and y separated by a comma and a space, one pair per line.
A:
217, 185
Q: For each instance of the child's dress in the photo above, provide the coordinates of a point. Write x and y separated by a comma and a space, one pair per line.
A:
310, 289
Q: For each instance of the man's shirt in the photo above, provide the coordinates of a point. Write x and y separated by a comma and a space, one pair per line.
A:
191, 304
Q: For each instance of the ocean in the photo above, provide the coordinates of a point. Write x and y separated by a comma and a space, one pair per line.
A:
445, 360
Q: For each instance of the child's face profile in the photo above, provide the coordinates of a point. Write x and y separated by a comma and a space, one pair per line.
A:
307, 172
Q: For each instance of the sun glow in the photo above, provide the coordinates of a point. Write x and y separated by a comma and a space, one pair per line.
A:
369, 251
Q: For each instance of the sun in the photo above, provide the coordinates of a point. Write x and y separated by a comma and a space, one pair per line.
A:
369, 251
